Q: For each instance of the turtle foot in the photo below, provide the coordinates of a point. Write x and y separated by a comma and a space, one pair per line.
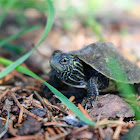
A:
88, 103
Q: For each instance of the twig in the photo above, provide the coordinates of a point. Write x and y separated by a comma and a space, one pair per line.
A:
57, 130
4, 93
32, 88
16, 88
53, 106
56, 124
81, 128
118, 130
72, 98
60, 136
11, 129
47, 136
20, 115
28, 137
101, 132
2, 119
51, 131
25, 110
41, 100
83, 111
100, 123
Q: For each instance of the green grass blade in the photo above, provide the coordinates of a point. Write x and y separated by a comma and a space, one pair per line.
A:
59, 95
15, 64
5, 127
27, 55
50, 21
18, 34
8, 6
15, 48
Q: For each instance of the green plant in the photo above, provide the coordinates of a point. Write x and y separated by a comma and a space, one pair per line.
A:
126, 90
16, 65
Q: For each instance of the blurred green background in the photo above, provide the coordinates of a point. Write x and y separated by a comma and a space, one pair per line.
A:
68, 9
77, 23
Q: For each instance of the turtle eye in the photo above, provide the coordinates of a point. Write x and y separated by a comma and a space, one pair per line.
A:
64, 61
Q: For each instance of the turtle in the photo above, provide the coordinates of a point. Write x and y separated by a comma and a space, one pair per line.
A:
88, 68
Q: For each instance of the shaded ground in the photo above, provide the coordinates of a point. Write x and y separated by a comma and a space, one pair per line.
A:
32, 116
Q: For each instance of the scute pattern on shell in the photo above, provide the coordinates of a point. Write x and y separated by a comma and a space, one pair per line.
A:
97, 56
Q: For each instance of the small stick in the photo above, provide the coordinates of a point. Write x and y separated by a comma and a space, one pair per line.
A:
83, 111
118, 130
101, 132
57, 130
53, 106
81, 128
11, 129
25, 110
28, 137
51, 131
20, 115
72, 98
2, 119
41, 100
4, 93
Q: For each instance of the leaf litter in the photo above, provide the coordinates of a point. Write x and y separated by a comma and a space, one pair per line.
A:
32, 116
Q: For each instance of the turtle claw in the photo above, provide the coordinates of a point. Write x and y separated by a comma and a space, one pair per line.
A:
87, 103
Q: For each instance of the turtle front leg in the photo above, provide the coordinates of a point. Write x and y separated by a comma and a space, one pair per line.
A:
92, 93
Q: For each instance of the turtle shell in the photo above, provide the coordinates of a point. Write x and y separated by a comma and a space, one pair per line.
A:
99, 57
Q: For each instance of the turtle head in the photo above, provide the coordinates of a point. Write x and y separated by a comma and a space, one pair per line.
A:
62, 64
67, 67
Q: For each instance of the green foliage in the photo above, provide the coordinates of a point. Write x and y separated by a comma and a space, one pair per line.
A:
133, 134
6, 8
66, 10
86, 12
126, 90
95, 5
3, 42
27, 55
22, 4
95, 26
14, 48
18, 7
